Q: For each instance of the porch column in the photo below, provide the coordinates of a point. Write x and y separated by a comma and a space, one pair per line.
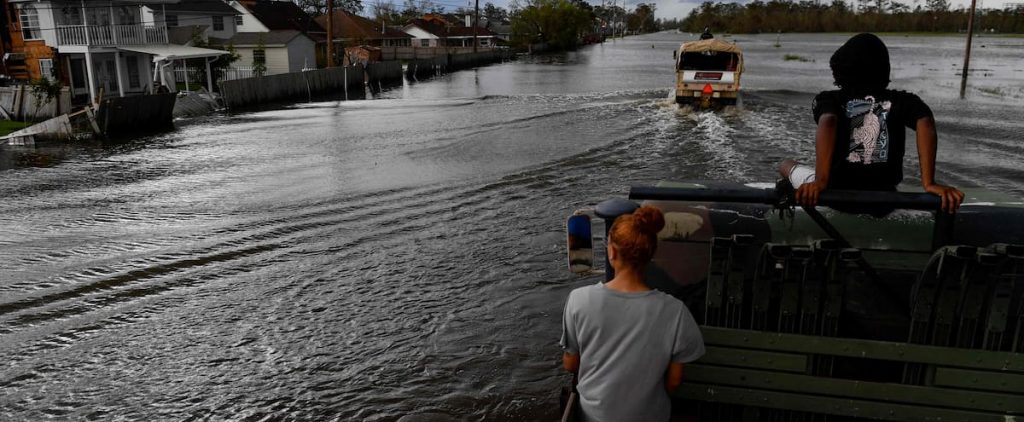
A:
120, 75
163, 74
90, 74
113, 28
184, 65
149, 80
209, 77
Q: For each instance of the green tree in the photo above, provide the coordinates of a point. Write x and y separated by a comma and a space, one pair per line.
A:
494, 13
557, 23
319, 7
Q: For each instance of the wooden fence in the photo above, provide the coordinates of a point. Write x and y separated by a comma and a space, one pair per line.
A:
19, 103
239, 93
247, 92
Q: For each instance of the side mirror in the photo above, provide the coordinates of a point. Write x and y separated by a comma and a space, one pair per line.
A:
581, 244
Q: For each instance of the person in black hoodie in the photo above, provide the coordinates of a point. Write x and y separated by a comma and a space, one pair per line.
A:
860, 140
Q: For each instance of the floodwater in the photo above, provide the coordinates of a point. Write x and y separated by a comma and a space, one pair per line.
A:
399, 258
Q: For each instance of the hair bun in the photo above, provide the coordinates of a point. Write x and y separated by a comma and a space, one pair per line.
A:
649, 220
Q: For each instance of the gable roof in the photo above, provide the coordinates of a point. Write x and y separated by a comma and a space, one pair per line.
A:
282, 15
355, 27
272, 38
213, 7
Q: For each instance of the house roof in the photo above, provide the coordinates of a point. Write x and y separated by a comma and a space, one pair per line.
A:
282, 15
280, 37
355, 27
214, 7
432, 26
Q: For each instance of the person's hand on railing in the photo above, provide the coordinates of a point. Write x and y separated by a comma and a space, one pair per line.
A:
951, 197
807, 194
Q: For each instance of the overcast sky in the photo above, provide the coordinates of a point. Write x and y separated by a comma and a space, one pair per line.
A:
668, 9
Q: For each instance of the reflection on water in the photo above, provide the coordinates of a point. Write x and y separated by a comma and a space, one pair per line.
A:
395, 257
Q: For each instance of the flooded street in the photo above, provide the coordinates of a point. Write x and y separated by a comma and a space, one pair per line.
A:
400, 258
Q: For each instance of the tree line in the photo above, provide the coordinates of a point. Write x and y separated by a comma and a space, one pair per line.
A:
564, 24
839, 16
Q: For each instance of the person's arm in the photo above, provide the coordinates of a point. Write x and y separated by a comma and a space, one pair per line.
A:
824, 146
927, 143
674, 376
571, 362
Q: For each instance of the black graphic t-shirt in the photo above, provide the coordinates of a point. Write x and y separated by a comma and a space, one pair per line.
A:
870, 138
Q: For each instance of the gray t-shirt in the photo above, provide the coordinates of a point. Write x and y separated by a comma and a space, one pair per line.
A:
626, 342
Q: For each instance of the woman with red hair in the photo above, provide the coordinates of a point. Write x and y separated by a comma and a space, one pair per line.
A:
626, 341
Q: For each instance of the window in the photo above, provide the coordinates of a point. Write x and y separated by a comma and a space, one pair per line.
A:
171, 20
218, 23
30, 23
70, 16
259, 62
126, 15
46, 68
239, 21
424, 43
132, 62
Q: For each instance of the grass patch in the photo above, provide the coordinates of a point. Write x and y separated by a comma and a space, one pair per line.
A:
9, 126
991, 91
794, 57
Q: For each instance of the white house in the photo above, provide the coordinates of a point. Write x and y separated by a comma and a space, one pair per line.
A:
435, 31
278, 35
279, 51
421, 37
104, 45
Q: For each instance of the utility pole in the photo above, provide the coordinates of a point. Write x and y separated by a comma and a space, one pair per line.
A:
967, 54
476, 23
330, 33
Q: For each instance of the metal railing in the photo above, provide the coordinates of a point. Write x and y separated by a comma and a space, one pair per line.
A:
135, 34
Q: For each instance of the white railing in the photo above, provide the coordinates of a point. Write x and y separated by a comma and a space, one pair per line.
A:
111, 35
236, 72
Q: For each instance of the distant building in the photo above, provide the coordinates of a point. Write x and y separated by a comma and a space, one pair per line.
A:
437, 31
280, 51
353, 30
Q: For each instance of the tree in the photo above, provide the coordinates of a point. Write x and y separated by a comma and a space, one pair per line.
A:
937, 5
259, 57
319, 7
557, 23
494, 13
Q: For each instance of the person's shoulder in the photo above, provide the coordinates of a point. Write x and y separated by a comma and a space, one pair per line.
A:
668, 301
903, 96
581, 293
825, 99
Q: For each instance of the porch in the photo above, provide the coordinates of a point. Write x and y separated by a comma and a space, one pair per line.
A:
103, 72
111, 35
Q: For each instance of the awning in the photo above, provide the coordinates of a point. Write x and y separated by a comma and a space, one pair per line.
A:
163, 52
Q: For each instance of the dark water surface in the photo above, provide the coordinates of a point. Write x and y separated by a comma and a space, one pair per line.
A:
399, 258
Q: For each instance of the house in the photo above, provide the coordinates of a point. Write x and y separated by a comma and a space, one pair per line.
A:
275, 15
436, 31
99, 47
185, 19
275, 35
352, 30
278, 51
